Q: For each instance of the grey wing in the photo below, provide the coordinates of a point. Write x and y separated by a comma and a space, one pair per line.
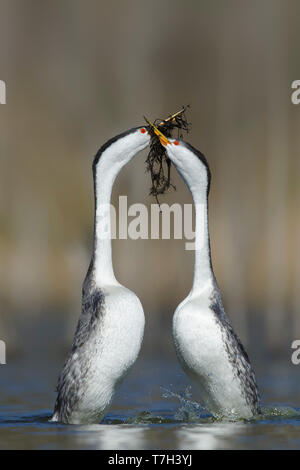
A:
237, 356
244, 370
72, 379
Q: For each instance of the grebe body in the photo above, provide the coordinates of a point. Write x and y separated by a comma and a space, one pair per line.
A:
111, 325
205, 342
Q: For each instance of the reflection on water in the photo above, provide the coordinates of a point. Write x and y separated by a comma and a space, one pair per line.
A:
209, 437
156, 408
101, 436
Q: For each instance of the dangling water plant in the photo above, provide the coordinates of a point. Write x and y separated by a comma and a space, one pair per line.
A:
158, 163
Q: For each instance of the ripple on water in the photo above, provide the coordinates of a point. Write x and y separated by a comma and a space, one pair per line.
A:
188, 412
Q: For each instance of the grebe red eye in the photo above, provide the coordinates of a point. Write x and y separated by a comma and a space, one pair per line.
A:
176, 142
143, 130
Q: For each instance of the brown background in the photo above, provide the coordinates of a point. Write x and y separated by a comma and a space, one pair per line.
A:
79, 72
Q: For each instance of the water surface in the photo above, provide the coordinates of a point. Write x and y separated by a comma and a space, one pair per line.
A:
156, 408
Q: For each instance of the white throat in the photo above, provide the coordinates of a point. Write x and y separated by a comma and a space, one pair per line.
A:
112, 160
203, 274
104, 180
195, 176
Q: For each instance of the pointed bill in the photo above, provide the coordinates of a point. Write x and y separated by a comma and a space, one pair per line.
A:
163, 139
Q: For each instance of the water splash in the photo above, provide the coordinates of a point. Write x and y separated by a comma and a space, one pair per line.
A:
189, 410
192, 412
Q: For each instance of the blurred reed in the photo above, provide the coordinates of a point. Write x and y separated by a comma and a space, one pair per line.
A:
78, 73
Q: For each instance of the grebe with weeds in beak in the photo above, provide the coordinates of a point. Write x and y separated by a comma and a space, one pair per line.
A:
206, 345
110, 329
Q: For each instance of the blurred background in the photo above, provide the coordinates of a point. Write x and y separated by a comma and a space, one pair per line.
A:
79, 72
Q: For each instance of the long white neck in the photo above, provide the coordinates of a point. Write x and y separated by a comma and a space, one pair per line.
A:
105, 176
203, 274
196, 177
107, 164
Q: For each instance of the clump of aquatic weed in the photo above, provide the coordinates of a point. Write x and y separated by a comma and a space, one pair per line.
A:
158, 163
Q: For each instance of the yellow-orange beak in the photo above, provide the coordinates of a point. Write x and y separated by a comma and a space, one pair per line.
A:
163, 139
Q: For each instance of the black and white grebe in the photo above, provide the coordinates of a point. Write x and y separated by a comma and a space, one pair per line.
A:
110, 330
206, 345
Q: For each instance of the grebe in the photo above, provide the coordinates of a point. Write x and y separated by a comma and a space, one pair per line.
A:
111, 325
206, 345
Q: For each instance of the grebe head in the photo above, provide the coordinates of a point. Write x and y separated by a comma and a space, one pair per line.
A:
123, 147
191, 164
